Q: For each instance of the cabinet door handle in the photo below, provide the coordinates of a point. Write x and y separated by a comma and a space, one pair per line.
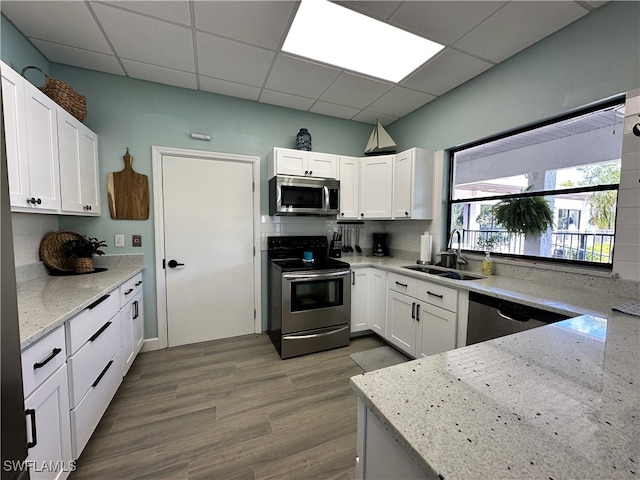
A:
417, 312
99, 332
402, 284
30, 412
434, 294
310, 172
95, 384
413, 309
353, 278
135, 309
41, 364
97, 302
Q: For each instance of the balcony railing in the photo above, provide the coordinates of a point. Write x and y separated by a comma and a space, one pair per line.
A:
568, 244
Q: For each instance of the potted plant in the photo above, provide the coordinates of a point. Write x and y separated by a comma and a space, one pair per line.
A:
82, 249
527, 215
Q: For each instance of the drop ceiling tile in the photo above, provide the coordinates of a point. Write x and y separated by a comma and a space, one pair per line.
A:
333, 110
355, 91
231, 89
153, 73
67, 22
534, 20
258, 23
445, 72
300, 77
442, 22
371, 117
233, 61
285, 100
78, 57
172, 11
400, 101
141, 38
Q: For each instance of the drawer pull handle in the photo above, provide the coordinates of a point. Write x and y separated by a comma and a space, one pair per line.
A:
99, 332
434, 294
30, 412
402, 284
128, 291
97, 302
41, 364
102, 373
138, 283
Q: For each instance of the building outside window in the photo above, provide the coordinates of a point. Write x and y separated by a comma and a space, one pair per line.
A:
571, 163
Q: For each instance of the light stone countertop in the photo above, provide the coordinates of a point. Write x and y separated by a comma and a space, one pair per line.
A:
556, 402
45, 302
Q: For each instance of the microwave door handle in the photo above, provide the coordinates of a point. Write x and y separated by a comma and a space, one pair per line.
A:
325, 190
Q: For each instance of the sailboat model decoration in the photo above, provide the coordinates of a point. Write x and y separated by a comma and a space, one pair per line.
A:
380, 143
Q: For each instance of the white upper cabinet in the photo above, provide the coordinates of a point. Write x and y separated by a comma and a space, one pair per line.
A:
78, 152
287, 161
32, 149
349, 176
376, 187
52, 158
413, 184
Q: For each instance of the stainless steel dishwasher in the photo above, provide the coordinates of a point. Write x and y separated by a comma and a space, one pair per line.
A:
491, 317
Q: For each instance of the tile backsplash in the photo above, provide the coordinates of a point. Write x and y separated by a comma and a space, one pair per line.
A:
28, 231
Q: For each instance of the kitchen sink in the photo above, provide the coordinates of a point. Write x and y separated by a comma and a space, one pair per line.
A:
444, 272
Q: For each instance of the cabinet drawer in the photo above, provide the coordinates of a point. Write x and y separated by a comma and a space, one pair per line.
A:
87, 363
42, 359
443, 297
84, 325
402, 284
130, 289
85, 417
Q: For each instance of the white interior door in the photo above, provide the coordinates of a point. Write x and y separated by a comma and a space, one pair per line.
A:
208, 209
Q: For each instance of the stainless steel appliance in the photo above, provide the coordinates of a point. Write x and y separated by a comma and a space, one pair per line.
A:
309, 301
491, 317
291, 195
14, 431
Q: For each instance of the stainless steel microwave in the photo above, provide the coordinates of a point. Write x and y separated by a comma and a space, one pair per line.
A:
291, 195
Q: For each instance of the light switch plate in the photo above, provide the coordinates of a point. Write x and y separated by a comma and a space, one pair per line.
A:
119, 240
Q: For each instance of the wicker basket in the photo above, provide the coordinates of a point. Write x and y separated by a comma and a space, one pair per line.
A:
61, 93
51, 251
84, 265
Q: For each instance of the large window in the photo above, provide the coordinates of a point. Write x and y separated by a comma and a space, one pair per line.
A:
547, 191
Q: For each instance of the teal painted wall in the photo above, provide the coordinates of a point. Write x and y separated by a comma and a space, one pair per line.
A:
593, 58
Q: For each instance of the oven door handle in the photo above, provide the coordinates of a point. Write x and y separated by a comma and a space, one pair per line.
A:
315, 275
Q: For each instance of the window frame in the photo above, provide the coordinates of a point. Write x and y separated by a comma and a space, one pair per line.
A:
450, 153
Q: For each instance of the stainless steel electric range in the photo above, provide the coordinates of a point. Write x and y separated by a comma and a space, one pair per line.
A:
309, 296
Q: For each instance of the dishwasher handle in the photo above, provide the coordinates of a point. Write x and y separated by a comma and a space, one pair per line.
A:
512, 317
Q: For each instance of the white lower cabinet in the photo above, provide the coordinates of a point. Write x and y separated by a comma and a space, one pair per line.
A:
94, 338
47, 407
422, 317
368, 300
132, 319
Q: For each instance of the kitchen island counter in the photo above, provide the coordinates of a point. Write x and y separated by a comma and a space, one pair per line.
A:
560, 401
46, 302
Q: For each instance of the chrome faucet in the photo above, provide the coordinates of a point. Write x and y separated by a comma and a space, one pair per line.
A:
460, 260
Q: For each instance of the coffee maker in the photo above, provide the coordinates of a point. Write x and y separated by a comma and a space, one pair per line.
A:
380, 245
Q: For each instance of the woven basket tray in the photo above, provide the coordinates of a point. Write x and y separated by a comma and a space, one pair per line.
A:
51, 251
62, 93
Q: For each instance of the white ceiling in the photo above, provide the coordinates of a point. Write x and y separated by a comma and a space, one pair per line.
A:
233, 47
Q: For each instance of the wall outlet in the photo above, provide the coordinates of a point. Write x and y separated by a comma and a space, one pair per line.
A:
136, 240
119, 240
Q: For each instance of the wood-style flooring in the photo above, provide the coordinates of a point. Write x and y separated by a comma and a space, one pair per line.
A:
231, 410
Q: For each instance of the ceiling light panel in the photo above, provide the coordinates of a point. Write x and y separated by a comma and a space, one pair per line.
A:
338, 36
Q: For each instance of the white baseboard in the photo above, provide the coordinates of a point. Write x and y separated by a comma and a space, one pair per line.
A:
150, 344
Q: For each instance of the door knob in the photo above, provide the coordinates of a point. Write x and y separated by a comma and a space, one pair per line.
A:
174, 264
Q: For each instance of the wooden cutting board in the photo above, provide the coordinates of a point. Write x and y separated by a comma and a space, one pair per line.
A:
128, 192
